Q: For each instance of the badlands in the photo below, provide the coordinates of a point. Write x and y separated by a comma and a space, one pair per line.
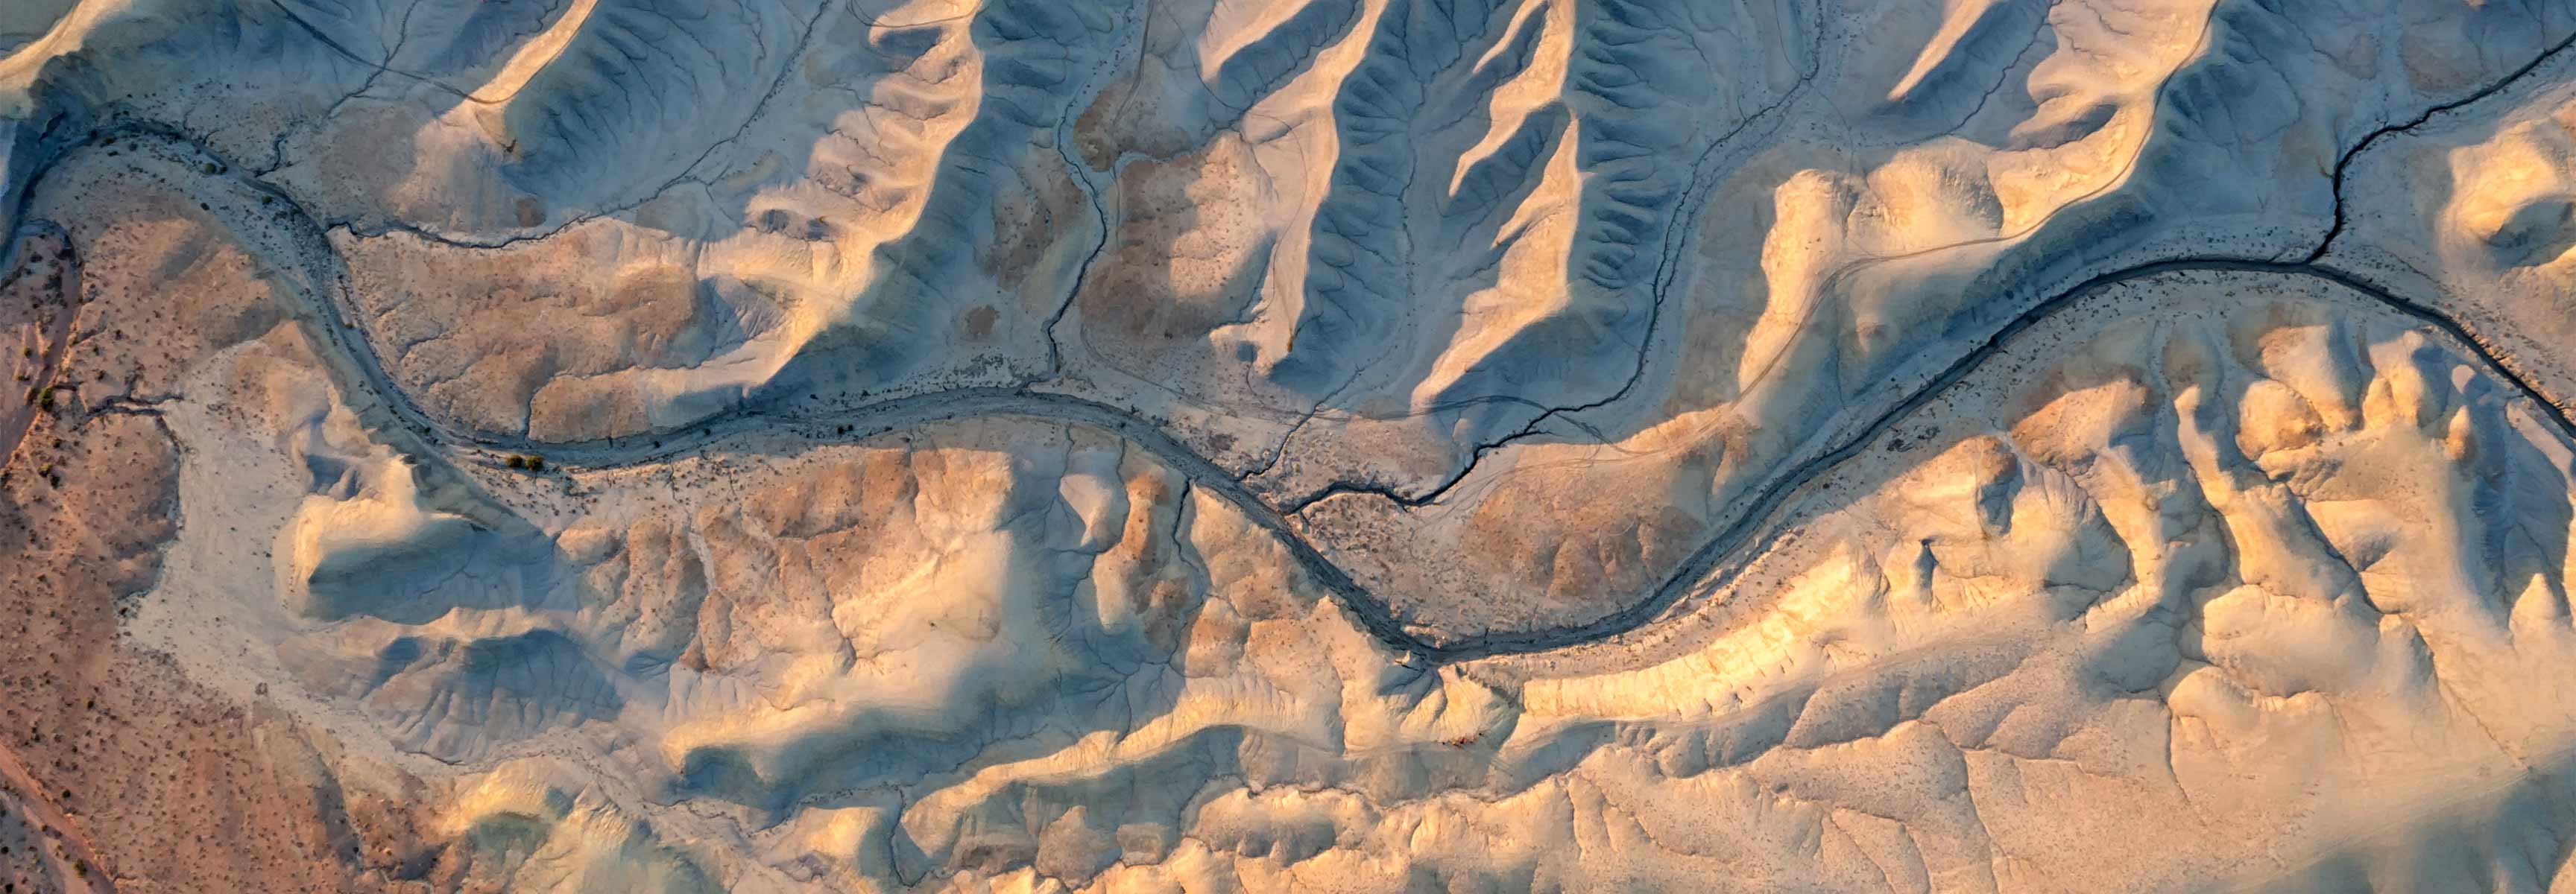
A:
1288, 445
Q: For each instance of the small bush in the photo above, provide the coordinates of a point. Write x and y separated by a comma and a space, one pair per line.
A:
518, 462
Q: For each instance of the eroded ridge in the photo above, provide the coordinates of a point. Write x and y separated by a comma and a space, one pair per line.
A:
636, 445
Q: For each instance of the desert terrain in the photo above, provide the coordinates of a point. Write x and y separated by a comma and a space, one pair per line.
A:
1287, 445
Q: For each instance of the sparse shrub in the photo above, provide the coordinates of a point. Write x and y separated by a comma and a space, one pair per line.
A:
518, 462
